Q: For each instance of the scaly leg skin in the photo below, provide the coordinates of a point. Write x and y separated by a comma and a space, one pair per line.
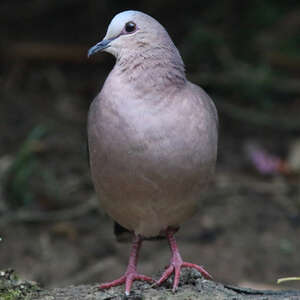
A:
177, 263
131, 273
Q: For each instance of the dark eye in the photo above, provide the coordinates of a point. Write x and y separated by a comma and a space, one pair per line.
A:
130, 27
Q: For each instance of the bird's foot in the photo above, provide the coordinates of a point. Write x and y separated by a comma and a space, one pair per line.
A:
127, 279
175, 267
131, 274
177, 263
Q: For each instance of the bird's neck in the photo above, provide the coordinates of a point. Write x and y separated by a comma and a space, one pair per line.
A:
156, 69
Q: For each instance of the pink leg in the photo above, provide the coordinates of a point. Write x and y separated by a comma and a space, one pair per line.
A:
131, 273
177, 263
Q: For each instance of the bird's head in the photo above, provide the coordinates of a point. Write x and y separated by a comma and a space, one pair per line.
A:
131, 31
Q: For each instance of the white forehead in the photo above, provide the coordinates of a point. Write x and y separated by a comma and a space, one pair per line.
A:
117, 23
123, 17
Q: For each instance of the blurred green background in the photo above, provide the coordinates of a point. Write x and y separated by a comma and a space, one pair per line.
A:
245, 54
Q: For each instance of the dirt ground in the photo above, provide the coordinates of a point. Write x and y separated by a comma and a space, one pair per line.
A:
245, 232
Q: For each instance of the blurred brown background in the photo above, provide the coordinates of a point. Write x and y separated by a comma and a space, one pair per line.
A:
245, 54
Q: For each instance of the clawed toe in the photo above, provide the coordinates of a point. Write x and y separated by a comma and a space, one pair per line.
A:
128, 278
176, 269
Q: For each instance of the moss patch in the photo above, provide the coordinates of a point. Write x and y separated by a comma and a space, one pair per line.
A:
13, 288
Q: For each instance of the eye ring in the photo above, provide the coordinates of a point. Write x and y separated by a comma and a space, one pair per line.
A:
130, 27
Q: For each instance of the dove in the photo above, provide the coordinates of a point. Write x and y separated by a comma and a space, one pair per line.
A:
152, 138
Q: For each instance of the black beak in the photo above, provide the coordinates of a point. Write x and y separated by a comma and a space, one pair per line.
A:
99, 47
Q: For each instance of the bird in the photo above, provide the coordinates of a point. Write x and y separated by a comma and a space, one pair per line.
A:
152, 138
